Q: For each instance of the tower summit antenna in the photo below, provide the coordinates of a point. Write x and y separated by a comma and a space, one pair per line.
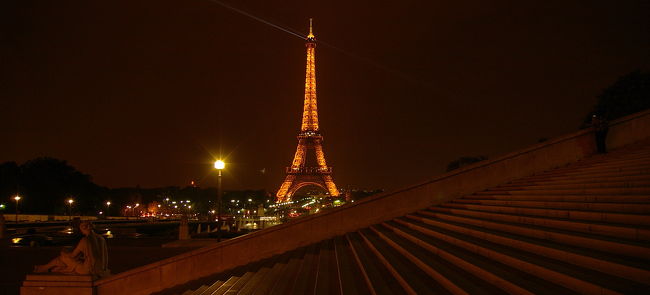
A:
311, 36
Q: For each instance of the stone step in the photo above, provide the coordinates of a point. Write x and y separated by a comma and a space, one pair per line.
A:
580, 234
240, 283
306, 277
328, 275
623, 163
576, 278
602, 216
267, 283
507, 278
225, 286
563, 205
288, 276
381, 280
525, 181
586, 185
200, 290
587, 178
595, 260
254, 281
586, 191
407, 274
449, 276
634, 199
589, 169
595, 173
212, 288
607, 160
353, 278
610, 160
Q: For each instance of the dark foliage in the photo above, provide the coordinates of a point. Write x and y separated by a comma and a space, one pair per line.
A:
628, 95
464, 161
45, 183
362, 194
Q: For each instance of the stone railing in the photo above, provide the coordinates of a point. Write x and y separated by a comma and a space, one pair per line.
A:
278, 239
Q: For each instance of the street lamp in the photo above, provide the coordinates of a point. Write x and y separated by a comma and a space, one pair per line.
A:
219, 165
70, 201
108, 211
17, 198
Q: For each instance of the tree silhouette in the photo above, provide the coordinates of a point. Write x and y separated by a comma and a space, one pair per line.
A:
45, 183
464, 161
628, 95
9, 180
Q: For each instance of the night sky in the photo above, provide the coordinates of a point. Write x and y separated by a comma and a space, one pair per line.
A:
149, 92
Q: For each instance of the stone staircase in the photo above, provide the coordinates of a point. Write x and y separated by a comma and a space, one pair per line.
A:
584, 228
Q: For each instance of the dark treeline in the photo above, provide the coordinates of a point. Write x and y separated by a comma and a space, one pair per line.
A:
628, 95
464, 161
45, 184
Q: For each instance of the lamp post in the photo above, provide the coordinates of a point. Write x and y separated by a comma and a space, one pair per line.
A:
219, 165
70, 201
108, 207
17, 198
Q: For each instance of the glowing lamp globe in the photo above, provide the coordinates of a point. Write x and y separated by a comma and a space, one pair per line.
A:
218, 164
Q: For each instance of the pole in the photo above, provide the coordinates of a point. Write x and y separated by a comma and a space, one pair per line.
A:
219, 208
16, 211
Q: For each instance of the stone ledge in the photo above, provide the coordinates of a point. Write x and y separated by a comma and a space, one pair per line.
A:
59, 277
45, 290
55, 284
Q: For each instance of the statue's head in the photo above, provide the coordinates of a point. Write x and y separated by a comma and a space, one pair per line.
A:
86, 227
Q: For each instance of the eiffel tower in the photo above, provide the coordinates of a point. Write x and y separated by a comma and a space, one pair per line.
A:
301, 174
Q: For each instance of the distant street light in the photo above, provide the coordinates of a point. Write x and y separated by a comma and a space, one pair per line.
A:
70, 201
17, 198
219, 165
108, 211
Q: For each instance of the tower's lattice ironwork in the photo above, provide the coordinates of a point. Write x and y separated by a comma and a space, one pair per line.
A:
301, 174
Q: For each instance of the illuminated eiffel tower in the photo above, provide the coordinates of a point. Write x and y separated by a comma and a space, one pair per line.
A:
300, 174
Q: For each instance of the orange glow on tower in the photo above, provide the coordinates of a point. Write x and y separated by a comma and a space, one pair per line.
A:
310, 110
298, 175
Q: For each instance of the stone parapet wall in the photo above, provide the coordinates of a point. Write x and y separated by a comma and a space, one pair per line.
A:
467, 180
628, 130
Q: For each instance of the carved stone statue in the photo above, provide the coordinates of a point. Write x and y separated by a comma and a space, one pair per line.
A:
89, 257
